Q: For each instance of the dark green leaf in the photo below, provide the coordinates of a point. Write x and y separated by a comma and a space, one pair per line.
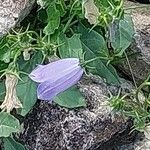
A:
4, 50
42, 16
70, 47
122, 33
8, 124
95, 46
11, 144
70, 98
2, 90
28, 66
94, 41
3, 65
26, 91
53, 20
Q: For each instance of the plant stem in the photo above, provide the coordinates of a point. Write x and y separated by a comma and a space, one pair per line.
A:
139, 89
91, 60
68, 23
130, 69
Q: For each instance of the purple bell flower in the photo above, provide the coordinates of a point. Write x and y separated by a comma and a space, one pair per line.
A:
56, 77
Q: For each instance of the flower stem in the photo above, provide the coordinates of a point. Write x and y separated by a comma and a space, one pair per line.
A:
91, 60
68, 23
130, 68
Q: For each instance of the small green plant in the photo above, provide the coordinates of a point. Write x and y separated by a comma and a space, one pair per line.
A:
135, 105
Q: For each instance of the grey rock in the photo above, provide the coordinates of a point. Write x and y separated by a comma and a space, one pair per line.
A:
140, 143
140, 63
12, 12
139, 51
51, 127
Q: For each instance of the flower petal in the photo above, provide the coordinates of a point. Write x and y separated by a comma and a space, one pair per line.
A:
54, 71
49, 83
48, 90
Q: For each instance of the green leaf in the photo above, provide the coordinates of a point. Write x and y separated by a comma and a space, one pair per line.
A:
8, 124
95, 46
3, 66
70, 98
70, 47
103, 3
2, 91
42, 16
101, 68
28, 66
94, 41
4, 50
26, 91
61, 6
11, 144
122, 33
53, 20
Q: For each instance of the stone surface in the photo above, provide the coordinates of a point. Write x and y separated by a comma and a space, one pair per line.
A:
140, 63
142, 1
141, 143
50, 127
139, 52
12, 12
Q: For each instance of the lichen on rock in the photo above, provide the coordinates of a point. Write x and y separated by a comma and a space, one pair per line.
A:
138, 52
50, 126
12, 12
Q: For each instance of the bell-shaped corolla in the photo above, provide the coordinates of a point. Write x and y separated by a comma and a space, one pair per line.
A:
56, 77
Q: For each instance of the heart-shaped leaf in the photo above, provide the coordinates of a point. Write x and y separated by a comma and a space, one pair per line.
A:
11, 144
70, 47
8, 124
70, 98
94, 46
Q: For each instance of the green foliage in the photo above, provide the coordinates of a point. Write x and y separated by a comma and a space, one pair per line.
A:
117, 102
134, 105
26, 90
11, 144
109, 10
8, 124
61, 29
121, 34
53, 19
71, 98
94, 41
24, 51
94, 46
2, 91
59, 13
70, 47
